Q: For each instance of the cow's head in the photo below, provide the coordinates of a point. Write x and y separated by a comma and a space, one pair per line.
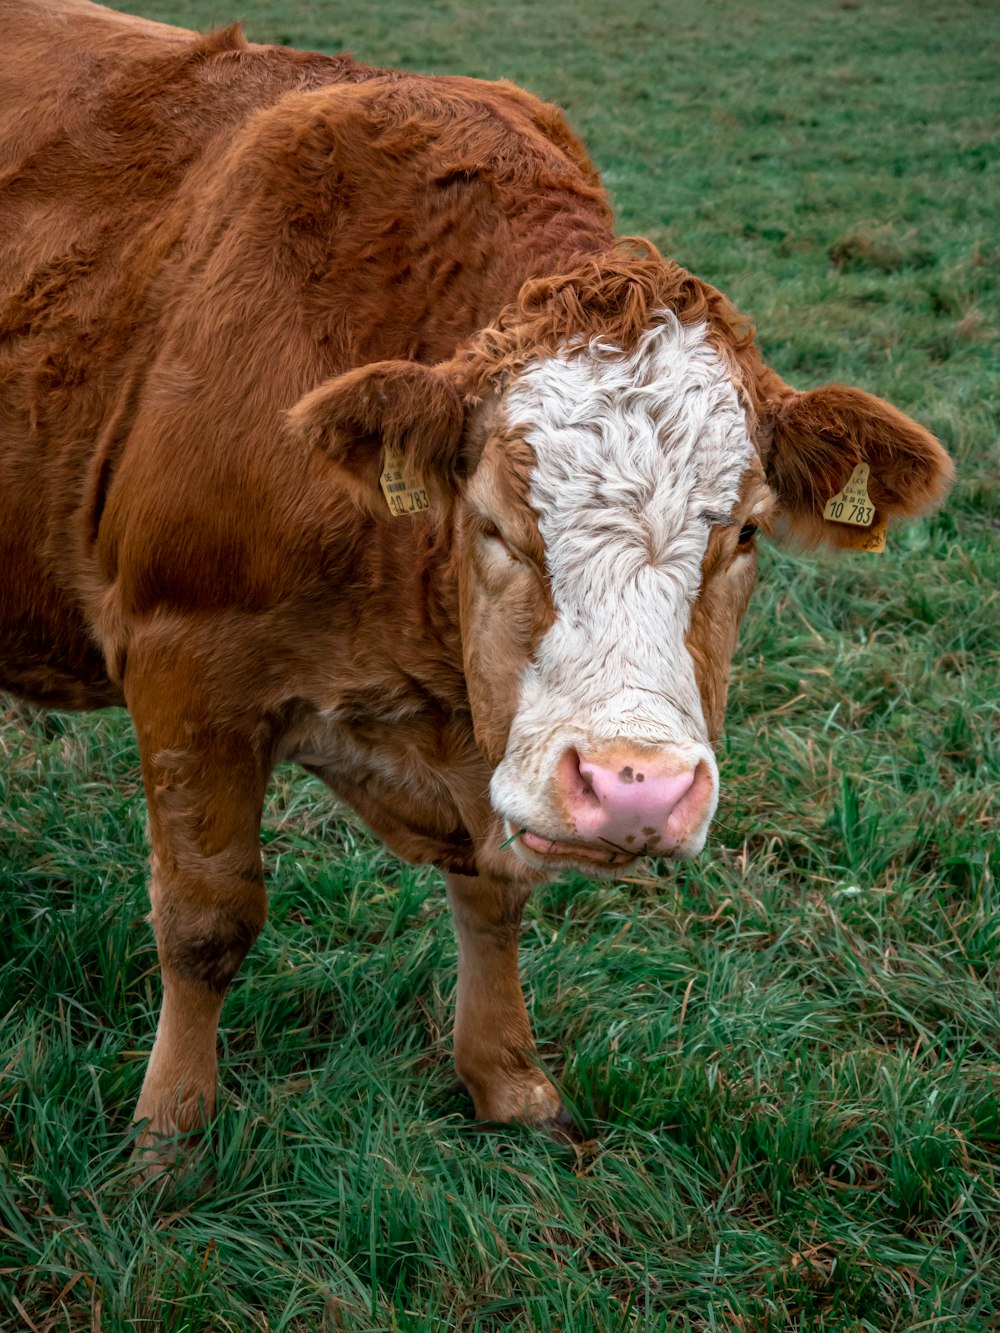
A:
608, 493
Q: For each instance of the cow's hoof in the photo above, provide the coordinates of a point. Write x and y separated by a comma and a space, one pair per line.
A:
531, 1101
171, 1161
563, 1128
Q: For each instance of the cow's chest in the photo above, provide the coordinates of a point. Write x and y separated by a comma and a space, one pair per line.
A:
415, 777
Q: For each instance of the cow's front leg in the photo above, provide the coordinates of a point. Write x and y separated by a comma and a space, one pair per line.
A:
204, 926
494, 1046
204, 789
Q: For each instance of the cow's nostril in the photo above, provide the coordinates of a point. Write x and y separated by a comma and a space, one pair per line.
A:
576, 780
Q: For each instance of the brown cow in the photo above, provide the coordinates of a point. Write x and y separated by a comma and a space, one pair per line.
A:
239, 286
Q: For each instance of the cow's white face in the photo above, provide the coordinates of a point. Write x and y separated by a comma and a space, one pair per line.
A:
629, 463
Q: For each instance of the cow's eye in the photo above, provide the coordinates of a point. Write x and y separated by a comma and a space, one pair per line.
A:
747, 533
492, 533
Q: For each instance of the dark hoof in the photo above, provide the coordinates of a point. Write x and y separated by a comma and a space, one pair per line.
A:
563, 1128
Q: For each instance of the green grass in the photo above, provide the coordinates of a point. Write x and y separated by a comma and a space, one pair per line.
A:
786, 1056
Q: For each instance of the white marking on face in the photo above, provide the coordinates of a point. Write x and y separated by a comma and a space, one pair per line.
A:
636, 457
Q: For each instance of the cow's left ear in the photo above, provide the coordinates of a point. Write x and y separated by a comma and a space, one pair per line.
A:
818, 438
401, 405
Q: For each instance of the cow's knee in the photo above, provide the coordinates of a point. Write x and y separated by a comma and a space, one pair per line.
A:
203, 935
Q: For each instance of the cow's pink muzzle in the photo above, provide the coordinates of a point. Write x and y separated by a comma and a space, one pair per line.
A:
633, 804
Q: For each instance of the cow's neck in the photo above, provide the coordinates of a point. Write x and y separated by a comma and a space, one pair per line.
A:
410, 621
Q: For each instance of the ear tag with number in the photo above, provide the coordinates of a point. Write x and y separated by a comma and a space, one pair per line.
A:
401, 498
852, 505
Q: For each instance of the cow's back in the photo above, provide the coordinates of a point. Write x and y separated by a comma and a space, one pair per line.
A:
63, 61
50, 53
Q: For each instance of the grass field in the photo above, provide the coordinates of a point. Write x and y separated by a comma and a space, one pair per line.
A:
786, 1056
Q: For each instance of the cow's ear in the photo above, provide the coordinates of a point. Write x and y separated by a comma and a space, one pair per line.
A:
818, 438
416, 409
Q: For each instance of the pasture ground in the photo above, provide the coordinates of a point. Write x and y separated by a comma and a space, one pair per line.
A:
786, 1056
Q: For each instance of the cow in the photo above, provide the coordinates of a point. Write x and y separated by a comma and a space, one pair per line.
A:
338, 427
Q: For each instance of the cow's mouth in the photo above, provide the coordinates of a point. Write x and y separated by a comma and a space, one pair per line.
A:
605, 855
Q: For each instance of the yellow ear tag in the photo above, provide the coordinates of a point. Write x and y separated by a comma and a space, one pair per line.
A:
400, 498
852, 505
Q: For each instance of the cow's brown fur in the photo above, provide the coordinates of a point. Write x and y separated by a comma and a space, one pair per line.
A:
229, 273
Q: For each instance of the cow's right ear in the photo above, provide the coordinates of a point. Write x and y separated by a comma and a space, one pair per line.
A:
404, 405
